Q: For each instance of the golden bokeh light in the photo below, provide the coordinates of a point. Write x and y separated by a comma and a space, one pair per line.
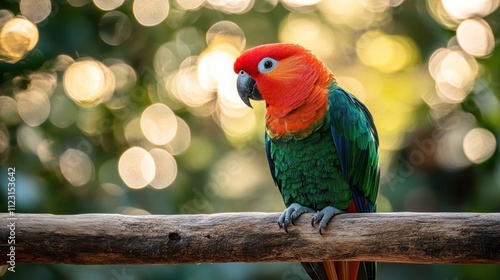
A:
401, 95
454, 72
450, 13
215, 73
297, 4
378, 6
166, 168
5, 15
238, 126
125, 76
28, 138
479, 145
133, 133
9, 114
182, 138
45, 81
88, 82
435, 61
226, 32
207, 63
185, 86
450, 153
440, 15
189, 40
114, 28
4, 138
158, 124
464, 9
265, 6
151, 12
198, 78
18, 36
108, 5
136, 167
134, 211
63, 112
33, 106
215, 66
476, 37
167, 58
229, 101
35, 10
232, 7
387, 53
76, 167
353, 86
113, 189
190, 4
349, 15
307, 30
45, 152
61, 62
78, 3
456, 69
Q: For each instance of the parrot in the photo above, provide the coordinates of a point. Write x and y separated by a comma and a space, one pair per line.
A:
321, 143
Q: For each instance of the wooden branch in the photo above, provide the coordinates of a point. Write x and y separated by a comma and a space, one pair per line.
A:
251, 237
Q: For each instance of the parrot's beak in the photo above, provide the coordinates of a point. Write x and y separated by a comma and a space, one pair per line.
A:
247, 88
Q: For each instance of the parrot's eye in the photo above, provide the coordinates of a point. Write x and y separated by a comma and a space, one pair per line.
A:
267, 64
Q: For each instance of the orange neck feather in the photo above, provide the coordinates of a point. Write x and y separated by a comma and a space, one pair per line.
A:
302, 106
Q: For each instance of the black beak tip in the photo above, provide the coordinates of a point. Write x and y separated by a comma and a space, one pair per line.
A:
247, 102
247, 89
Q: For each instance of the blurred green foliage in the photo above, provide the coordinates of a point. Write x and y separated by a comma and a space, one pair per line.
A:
433, 93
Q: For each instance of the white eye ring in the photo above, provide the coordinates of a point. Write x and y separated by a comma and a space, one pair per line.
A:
267, 64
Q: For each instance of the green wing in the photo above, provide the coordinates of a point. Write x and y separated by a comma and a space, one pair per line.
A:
356, 140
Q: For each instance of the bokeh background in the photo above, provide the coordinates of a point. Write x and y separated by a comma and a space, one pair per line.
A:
113, 106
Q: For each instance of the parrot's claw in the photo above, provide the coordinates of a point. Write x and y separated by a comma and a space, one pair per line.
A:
291, 213
324, 216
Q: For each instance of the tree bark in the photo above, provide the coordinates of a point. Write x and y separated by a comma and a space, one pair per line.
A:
250, 237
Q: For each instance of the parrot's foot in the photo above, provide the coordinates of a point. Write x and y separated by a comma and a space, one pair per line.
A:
324, 216
291, 213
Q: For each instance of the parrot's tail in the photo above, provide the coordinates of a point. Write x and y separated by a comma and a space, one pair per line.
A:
339, 270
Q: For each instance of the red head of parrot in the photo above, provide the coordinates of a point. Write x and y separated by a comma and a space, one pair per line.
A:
290, 79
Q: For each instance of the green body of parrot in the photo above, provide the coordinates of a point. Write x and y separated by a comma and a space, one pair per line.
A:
321, 142
306, 169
